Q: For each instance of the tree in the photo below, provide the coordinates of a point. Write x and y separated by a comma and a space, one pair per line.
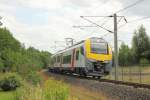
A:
1, 65
8, 41
125, 55
140, 44
15, 57
46, 58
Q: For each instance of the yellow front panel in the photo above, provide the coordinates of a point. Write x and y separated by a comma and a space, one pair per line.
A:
100, 57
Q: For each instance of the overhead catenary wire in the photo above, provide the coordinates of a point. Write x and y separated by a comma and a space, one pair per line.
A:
102, 36
80, 27
129, 6
135, 20
96, 24
119, 20
101, 26
139, 19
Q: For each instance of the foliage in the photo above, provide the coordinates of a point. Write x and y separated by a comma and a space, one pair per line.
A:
33, 78
125, 55
15, 57
9, 81
8, 41
144, 62
140, 50
140, 44
1, 65
52, 90
46, 58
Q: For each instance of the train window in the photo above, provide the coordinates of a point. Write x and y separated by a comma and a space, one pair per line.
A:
67, 59
58, 59
100, 48
82, 50
55, 59
52, 61
77, 54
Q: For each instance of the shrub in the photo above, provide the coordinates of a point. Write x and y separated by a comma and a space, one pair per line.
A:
10, 81
144, 62
33, 78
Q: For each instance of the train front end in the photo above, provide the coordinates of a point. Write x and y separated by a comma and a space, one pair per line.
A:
98, 57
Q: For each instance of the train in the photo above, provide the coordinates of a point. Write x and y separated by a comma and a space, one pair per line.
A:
90, 57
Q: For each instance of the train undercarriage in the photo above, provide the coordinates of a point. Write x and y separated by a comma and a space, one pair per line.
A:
97, 71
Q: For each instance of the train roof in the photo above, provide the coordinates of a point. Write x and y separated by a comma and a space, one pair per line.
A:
78, 44
70, 47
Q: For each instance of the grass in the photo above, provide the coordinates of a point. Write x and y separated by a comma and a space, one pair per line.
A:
50, 90
131, 78
7, 95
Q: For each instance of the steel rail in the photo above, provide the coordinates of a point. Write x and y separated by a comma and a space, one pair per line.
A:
135, 85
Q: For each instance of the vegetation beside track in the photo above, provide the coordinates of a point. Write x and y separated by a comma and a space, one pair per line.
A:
50, 90
138, 52
26, 63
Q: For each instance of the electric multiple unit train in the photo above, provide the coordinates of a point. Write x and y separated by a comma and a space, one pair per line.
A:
91, 57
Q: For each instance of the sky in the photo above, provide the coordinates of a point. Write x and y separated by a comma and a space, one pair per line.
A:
39, 23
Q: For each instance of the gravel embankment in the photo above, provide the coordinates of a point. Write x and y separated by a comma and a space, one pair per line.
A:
112, 91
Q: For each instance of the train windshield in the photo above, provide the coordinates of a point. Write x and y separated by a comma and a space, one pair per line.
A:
99, 48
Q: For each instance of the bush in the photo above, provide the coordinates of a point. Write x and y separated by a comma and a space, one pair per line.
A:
10, 81
144, 62
34, 78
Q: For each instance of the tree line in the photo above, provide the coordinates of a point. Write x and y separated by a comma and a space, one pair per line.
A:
15, 57
139, 52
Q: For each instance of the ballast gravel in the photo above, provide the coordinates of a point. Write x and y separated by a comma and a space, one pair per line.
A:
112, 91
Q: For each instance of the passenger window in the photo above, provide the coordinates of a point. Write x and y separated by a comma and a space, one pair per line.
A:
67, 59
77, 55
82, 50
58, 59
55, 60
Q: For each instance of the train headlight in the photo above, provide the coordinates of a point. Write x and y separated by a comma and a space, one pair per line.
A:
106, 61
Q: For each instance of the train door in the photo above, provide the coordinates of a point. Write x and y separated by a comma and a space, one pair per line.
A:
81, 57
77, 58
61, 60
80, 60
73, 59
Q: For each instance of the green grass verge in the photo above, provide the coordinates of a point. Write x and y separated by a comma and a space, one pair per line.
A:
7, 95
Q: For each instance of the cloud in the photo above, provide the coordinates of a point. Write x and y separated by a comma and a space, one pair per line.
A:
140, 9
39, 23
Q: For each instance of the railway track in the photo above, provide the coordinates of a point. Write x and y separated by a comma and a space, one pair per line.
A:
111, 89
135, 85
